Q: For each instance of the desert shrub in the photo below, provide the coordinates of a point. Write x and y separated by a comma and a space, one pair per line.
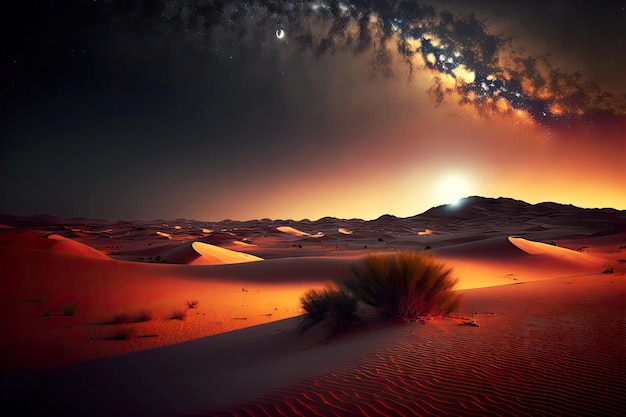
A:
125, 333
331, 302
120, 318
192, 303
144, 315
69, 309
179, 314
405, 285
40, 300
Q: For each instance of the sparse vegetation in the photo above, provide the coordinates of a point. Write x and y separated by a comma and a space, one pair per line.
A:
405, 285
69, 309
121, 318
125, 333
178, 314
192, 304
402, 286
40, 300
332, 303
144, 315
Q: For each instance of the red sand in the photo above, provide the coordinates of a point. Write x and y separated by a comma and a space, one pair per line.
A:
554, 345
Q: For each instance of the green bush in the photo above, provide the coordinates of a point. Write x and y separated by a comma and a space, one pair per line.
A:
405, 285
332, 303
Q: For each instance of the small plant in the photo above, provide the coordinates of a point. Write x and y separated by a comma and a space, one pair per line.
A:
178, 314
192, 303
405, 285
125, 333
120, 318
46, 313
40, 300
69, 309
144, 315
332, 303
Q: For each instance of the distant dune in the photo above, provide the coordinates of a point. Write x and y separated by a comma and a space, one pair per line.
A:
292, 231
71, 247
198, 253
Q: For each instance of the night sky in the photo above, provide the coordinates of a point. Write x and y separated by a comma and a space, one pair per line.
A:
212, 110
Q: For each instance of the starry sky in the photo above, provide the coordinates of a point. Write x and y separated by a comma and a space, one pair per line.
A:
212, 110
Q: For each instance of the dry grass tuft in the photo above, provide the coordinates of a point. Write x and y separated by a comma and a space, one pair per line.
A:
69, 309
125, 333
121, 318
333, 303
144, 315
178, 314
405, 285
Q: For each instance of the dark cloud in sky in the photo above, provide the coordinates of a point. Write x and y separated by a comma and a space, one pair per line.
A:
119, 98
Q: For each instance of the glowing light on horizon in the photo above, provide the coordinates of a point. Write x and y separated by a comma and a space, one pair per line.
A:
453, 187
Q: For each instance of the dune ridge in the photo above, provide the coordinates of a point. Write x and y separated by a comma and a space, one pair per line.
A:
199, 253
71, 247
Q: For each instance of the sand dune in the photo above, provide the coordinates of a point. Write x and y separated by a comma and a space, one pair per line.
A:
54, 243
71, 247
551, 346
17, 238
198, 253
446, 369
345, 231
295, 232
440, 368
498, 261
241, 243
292, 231
538, 248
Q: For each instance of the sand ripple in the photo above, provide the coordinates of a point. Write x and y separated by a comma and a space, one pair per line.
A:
567, 360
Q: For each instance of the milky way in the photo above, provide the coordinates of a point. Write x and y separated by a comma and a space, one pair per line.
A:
243, 109
479, 65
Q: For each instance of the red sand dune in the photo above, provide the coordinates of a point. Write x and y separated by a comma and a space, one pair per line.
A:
532, 354
554, 361
198, 253
71, 247
554, 345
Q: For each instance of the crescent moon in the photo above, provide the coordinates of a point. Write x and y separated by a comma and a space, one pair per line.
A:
280, 33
